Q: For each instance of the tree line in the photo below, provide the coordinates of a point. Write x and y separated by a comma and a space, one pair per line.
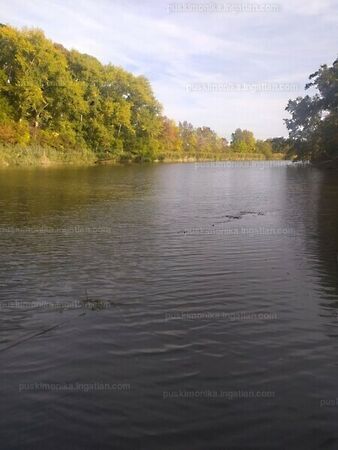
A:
64, 99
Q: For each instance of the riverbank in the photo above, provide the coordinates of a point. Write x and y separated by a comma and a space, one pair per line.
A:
15, 156
36, 156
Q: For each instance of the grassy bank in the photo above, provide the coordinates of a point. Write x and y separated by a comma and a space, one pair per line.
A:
227, 156
36, 156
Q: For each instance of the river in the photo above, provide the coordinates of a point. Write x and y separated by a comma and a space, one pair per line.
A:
169, 306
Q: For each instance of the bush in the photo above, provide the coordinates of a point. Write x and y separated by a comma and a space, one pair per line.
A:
14, 133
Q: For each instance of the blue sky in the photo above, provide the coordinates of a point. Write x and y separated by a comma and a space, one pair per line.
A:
222, 69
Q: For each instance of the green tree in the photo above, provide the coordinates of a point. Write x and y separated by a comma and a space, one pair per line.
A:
265, 148
171, 144
243, 141
314, 120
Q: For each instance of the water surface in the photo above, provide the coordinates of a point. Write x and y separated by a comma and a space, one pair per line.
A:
204, 295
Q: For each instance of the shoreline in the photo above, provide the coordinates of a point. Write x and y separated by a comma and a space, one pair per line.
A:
39, 157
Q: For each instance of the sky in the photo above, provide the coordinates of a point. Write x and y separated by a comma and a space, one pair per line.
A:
222, 64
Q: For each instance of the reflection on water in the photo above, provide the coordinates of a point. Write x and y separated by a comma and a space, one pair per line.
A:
171, 306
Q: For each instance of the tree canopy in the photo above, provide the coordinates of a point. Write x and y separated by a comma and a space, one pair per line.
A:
313, 126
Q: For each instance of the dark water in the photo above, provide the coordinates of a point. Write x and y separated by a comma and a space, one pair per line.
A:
169, 307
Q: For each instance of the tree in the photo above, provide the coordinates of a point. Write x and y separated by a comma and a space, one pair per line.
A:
243, 141
188, 136
313, 126
170, 140
265, 148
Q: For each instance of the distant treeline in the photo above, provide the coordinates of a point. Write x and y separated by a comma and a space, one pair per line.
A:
55, 98
313, 127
